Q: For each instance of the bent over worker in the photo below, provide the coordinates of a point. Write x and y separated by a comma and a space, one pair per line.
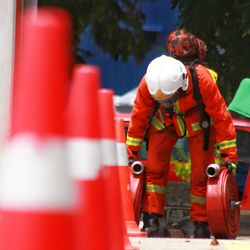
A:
169, 84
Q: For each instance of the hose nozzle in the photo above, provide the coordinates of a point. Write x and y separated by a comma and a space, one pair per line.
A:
213, 170
137, 167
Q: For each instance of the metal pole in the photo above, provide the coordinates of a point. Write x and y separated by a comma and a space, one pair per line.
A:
7, 27
7, 48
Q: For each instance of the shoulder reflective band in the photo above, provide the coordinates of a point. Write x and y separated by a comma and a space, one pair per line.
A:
213, 74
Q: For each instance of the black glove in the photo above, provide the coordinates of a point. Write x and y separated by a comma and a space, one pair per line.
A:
132, 156
230, 166
130, 161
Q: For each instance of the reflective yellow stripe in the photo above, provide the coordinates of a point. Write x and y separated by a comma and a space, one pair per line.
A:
155, 189
180, 122
134, 141
227, 144
234, 166
213, 74
196, 126
198, 199
177, 106
157, 124
181, 125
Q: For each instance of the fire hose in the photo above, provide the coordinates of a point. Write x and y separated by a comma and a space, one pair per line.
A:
137, 182
223, 205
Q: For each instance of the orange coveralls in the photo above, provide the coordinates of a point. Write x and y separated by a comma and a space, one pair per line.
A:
163, 134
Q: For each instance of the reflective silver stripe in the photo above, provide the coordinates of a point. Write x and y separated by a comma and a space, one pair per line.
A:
155, 189
198, 199
157, 124
227, 144
134, 141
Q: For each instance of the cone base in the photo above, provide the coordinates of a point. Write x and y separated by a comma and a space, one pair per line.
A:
90, 217
114, 212
36, 230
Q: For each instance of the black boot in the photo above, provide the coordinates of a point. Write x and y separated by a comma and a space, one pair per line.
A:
151, 224
201, 230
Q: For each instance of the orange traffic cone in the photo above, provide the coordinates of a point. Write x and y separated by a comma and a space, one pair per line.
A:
124, 173
85, 160
36, 191
117, 234
110, 171
245, 201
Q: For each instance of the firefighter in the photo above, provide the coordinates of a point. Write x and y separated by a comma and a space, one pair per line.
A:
167, 90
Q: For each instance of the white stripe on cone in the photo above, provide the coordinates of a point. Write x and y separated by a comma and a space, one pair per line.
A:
109, 157
122, 155
36, 196
84, 158
34, 175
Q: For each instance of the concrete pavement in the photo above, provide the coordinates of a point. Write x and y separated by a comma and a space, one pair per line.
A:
241, 243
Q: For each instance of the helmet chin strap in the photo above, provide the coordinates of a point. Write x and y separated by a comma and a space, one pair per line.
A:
170, 101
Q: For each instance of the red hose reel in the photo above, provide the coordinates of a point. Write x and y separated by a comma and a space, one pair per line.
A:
223, 205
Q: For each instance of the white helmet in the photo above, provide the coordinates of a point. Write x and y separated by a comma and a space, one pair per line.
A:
165, 75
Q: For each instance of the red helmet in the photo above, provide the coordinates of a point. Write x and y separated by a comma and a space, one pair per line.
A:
202, 47
184, 45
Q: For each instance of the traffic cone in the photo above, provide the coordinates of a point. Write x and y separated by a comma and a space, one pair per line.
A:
36, 204
115, 224
245, 201
117, 233
84, 154
124, 173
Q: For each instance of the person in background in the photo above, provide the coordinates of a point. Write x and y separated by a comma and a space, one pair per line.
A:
185, 46
165, 109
